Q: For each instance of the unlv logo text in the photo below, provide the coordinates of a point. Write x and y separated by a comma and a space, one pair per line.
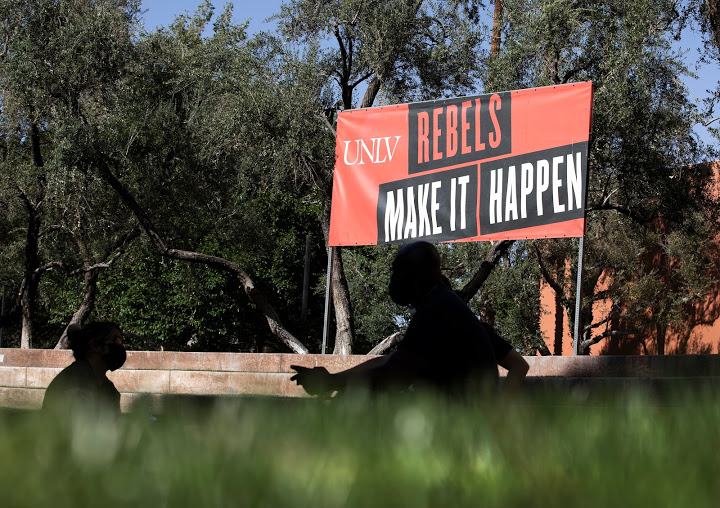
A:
374, 151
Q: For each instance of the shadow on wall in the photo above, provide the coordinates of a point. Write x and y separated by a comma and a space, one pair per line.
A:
698, 333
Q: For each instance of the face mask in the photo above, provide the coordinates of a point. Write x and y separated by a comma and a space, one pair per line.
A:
115, 357
399, 293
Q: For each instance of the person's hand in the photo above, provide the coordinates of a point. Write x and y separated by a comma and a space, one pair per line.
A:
315, 381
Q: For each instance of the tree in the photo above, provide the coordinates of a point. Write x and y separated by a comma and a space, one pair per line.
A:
403, 50
706, 15
220, 149
642, 181
33, 174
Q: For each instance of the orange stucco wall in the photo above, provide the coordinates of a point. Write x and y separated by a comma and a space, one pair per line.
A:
703, 320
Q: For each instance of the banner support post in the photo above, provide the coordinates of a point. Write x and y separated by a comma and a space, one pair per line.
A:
2, 313
578, 296
326, 320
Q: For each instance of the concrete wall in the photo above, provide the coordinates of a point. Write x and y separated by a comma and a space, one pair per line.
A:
24, 374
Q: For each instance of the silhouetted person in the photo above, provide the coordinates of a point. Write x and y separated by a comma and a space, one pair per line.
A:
83, 385
446, 348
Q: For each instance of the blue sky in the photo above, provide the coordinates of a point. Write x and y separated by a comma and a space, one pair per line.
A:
162, 13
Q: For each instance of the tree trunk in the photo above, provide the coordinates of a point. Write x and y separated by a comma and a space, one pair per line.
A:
30, 290
661, 334
713, 11
344, 319
496, 29
31, 280
91, 274
585, 337
87, 305
32, 258
559, 310
371, 92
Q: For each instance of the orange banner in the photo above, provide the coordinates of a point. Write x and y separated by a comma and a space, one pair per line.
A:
508, 165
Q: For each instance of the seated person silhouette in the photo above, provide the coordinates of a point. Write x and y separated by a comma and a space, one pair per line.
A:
446, 348
84, 385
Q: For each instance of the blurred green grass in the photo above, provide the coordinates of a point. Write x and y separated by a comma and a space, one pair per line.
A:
549, 450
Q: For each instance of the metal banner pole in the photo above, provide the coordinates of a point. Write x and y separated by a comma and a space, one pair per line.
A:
578, 296
2, 313
326, 323
306, 288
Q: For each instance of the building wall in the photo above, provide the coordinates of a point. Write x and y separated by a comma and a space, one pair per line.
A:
699, 334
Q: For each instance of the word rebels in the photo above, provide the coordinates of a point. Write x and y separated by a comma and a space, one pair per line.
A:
445, 124
452, 131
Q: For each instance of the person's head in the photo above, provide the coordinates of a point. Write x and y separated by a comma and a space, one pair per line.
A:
102, 339
415, 271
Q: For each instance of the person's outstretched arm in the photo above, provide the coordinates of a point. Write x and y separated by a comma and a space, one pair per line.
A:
517, 368
318, 381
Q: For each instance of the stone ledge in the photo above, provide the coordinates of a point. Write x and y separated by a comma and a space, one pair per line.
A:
547, 366
24, 374
21, 398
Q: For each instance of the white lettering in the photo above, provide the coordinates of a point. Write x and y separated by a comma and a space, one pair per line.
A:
357, 154
510, 196
463, 181
394, 216
453, 182
574, 185
376, 153
557, 206
526, 187
387, 146
368, 151
496, 195
424, 219
435, 206
411, 224
543, 180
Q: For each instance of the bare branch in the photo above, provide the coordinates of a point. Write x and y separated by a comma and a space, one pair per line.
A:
328, 124
486, 267
362, 78
625, 211
608, 333
387, 343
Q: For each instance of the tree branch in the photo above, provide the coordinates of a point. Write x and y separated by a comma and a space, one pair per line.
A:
585, 344
387, 343
254, 294
625, 211
328, 124
492, 258
550, 280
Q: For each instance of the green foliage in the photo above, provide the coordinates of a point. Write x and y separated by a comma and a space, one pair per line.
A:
174, 306
510, 300
385, 453
226, 143
414, 49
644, 186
